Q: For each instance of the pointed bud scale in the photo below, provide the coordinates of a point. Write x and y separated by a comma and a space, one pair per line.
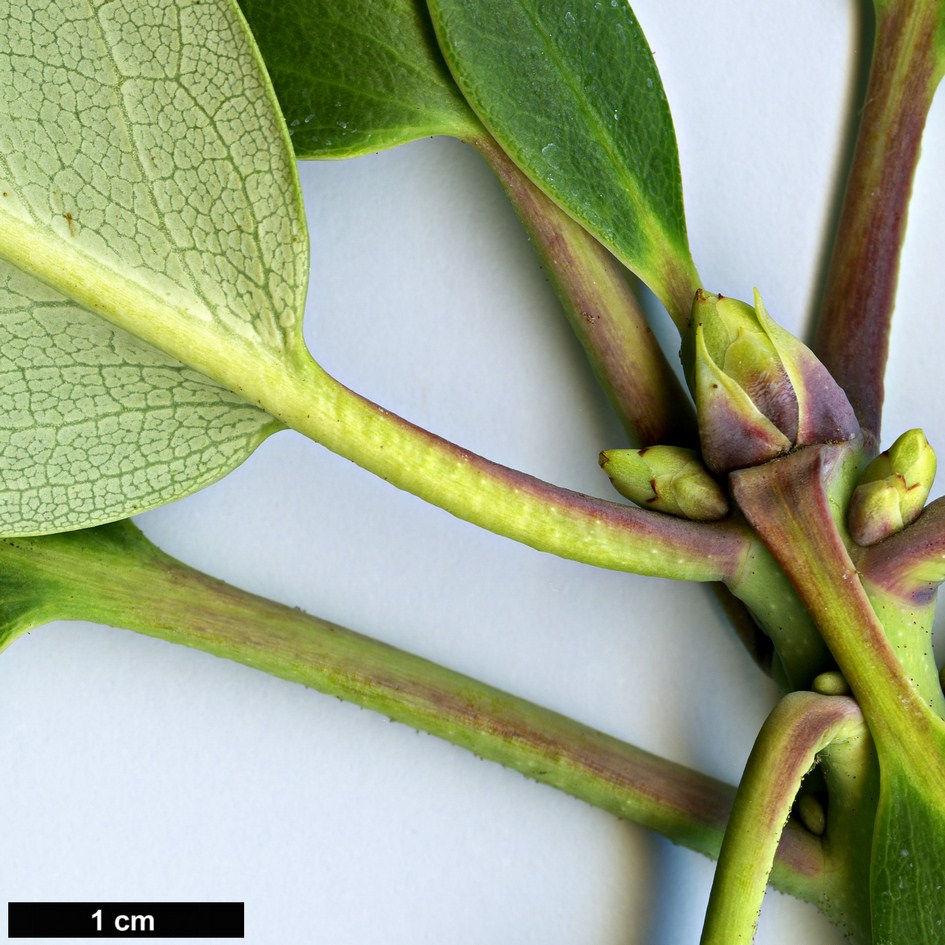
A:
733, 431
874, 512
824, 413
735, 339
667, 479
892, 490
759, 392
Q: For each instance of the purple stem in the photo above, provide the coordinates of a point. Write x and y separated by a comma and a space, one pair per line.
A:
595, 292
852, 337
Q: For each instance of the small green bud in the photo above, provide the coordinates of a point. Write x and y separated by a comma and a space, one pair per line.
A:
892, 490
812, 814
667, 479
759, 392
831, 683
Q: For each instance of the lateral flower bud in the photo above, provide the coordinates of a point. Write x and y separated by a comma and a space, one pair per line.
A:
759, 391
667, 479
892, 490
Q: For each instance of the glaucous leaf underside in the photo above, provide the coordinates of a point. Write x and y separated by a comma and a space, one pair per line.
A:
145, 174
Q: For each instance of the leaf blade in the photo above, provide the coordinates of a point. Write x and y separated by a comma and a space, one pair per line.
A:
150, 182
906, 881
357, 76
574, 97
85, 401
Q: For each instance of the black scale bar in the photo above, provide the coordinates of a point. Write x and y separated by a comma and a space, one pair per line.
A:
125, 920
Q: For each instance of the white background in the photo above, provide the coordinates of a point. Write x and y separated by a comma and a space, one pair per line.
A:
135, 770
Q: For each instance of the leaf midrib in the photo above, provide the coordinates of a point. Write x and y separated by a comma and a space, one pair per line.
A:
602, 132
137, 309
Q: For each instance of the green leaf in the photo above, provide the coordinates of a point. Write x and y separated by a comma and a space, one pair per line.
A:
357, 76
907, 877
92, 414
145, 175
571, 92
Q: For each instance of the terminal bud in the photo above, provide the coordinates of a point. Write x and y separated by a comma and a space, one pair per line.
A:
759, 391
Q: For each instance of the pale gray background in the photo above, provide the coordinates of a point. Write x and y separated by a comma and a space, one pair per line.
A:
134, 770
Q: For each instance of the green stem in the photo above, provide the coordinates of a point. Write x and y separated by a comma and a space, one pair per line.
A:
852, 336
786, 501
596, 295
292, 388
851, 778
799, 653
606, 317
800, 726
113, 575
907, 625
790, 505
510, 503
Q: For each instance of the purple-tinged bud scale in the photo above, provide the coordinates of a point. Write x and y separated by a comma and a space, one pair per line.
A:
759, 392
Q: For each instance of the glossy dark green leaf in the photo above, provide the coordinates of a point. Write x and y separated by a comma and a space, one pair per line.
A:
570, 90
356, 76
